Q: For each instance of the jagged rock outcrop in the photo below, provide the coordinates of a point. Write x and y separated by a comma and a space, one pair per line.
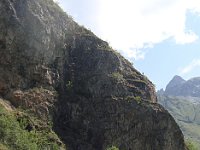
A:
180, 87
63, 71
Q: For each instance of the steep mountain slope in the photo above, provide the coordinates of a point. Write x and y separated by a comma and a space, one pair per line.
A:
179, 87
185, 109
62, 73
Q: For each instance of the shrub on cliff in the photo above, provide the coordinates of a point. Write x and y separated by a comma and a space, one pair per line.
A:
191, 145
16, 133
112, 148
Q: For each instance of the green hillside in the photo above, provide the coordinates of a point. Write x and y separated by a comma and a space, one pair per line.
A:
186, 111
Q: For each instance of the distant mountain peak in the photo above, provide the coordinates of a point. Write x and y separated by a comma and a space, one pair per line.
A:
180, 87
160, 92
176, 81
177, 77
194, 79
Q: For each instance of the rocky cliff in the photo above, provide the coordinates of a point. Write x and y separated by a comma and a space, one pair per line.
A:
61, 72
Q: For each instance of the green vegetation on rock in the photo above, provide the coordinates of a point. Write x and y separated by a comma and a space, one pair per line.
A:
112, 148
191, 145
117, 76
138, 99
21, 132
54, 69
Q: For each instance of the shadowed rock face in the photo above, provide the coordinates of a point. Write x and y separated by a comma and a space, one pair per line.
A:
59, 70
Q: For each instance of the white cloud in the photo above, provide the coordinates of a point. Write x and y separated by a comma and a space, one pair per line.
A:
133, 53
130, 24
193, 65
184, 38
56, 1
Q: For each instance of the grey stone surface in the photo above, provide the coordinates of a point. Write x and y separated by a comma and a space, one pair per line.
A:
95, 97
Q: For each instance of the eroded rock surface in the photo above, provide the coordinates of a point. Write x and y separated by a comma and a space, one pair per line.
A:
59, 70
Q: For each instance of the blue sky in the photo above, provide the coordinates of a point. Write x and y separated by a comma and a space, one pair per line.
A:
160, 37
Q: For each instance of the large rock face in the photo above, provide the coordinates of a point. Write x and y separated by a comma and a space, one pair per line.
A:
63, 72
